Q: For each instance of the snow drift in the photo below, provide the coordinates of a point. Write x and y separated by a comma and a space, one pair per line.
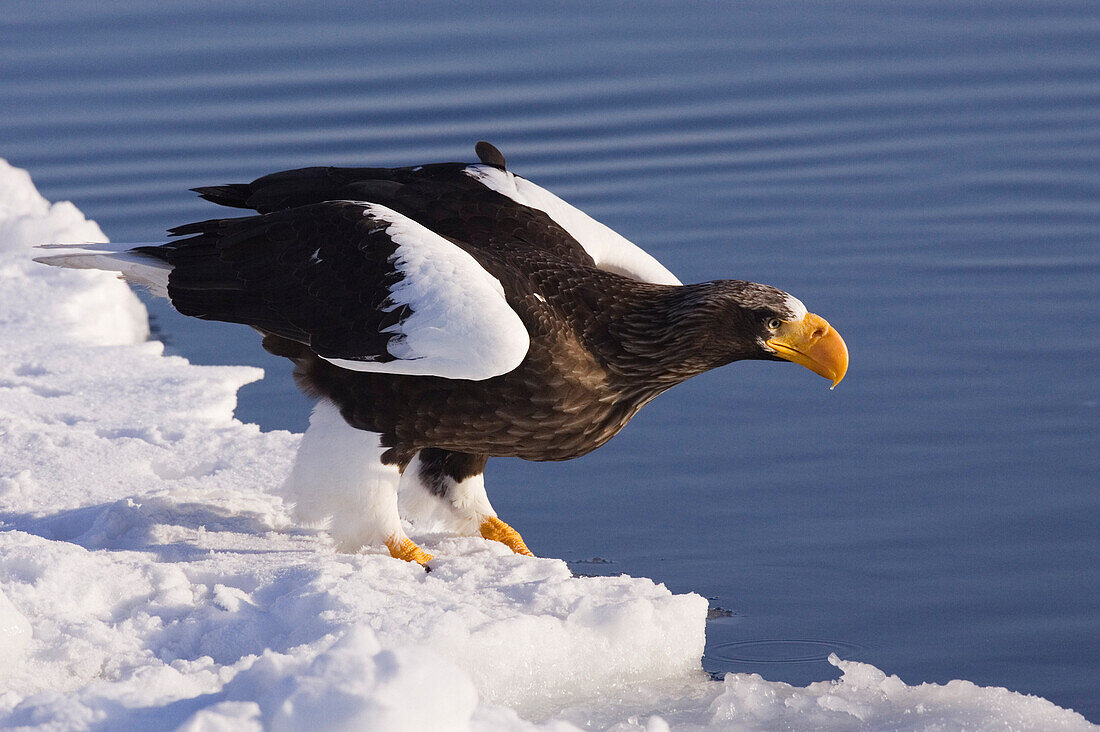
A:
150, 576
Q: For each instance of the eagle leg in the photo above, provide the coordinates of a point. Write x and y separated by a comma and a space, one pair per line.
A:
494, 529
402, 547
340, 478
448, 488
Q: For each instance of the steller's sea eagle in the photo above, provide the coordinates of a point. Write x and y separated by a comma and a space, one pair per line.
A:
442, 314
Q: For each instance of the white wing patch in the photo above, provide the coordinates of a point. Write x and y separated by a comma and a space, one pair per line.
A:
461, 326
611, 251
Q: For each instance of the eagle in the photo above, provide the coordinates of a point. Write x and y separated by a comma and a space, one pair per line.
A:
445, 313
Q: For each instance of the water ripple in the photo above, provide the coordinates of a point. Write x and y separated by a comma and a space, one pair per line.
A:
804, 650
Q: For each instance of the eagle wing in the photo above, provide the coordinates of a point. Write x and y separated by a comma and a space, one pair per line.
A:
609, 250
482, 203
365, 287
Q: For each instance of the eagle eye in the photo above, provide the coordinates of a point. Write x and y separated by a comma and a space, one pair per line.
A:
774, 323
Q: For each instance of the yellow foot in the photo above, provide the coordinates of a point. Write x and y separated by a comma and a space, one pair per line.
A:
494, 529
405, 548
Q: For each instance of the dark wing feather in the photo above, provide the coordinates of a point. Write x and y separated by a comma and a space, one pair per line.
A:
361, 285
319, 275
442, 197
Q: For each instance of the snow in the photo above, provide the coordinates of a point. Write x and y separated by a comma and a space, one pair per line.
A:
151, 577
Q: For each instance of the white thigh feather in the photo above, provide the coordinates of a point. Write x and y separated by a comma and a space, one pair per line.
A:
338, 478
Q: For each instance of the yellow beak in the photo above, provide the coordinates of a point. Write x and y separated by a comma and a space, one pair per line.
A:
812, 342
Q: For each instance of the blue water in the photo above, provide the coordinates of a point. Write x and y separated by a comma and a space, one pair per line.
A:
926, 175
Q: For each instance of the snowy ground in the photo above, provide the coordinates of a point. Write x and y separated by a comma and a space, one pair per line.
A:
150, 577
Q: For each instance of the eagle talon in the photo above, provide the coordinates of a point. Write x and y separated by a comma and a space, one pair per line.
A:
406, 549
494, 529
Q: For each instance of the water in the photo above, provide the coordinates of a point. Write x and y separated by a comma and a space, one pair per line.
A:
923, 174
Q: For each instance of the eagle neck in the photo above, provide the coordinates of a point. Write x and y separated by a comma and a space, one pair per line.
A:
665, 337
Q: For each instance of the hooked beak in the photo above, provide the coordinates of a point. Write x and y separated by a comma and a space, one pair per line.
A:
813, 343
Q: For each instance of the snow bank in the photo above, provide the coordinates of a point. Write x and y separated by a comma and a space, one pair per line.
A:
150, 577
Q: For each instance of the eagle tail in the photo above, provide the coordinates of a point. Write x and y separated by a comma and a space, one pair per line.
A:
135, 263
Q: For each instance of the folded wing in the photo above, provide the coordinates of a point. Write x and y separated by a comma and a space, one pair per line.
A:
365, 287
482, 203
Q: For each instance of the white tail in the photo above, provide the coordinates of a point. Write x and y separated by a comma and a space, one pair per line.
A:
135, 268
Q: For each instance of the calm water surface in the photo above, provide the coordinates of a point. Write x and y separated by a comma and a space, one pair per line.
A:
926, 175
